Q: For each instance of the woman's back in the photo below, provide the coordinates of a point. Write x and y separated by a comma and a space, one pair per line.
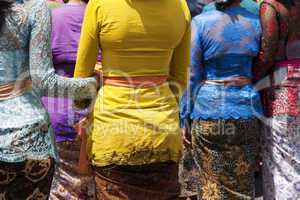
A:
24, 122
229, 41
14, 43
224, 45
132, 39
135, 124
25, 54
66, 28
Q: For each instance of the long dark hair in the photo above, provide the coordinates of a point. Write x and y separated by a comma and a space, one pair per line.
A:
5, 6
222, 5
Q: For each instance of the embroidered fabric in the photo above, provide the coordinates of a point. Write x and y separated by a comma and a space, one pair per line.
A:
223, 46
25, 54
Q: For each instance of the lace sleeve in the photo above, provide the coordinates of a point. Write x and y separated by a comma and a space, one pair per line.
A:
269, 41
195, 76
41, 67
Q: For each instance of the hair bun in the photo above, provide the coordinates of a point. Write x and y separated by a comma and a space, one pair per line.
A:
222, 5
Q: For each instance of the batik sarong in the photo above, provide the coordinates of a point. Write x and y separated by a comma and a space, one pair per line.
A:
158, 181
225, 152
188, 175
30, 180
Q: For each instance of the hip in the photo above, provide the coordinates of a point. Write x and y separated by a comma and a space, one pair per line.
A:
22, 110
116, 100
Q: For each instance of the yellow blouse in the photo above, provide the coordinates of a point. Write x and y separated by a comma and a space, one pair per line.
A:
136, 38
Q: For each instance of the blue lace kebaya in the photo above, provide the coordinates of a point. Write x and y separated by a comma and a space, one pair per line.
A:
224, 45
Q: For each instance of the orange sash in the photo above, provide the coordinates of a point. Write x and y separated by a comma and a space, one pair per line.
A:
136, 81
14, 89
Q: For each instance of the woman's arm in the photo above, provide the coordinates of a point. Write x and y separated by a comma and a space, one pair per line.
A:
195, 76
269, 41
40, 60
89, 41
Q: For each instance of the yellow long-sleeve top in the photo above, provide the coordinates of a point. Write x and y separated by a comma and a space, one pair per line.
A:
135, 126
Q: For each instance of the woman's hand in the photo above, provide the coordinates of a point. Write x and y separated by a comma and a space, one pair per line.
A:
186, 137
98, 74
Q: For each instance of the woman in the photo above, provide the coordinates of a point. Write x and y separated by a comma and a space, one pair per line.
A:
280, 60
66, 27
221, 105
134, 143
27, 149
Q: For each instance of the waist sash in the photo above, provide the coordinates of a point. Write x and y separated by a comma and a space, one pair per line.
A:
14, 89
234, 81
135, 82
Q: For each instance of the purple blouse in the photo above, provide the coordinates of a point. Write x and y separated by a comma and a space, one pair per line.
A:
66, 27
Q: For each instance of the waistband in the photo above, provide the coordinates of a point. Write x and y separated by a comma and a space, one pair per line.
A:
135, 82
234, 81
14, 89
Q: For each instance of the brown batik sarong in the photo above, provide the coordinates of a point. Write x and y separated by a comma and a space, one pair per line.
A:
188, 175
145, 182
28, 180
225, 152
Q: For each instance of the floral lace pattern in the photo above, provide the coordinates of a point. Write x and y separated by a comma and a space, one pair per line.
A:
25, 53
223, 46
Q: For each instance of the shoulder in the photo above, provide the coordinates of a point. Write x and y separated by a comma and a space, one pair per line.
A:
208, 17
272, 3
206, 20
97, 3
35, 4
185, 9
38, 11
37, 7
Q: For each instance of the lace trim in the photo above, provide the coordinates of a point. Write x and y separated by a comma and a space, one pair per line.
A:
146, 156
11, 158
35, 141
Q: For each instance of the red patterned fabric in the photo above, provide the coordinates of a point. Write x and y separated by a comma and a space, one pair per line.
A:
281, 28
284, 95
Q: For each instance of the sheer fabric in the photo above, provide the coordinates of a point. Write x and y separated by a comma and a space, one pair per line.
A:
223, 46
25, 53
